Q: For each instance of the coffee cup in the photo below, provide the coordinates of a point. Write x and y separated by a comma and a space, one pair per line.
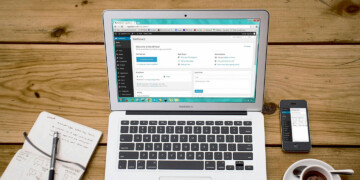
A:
315, 173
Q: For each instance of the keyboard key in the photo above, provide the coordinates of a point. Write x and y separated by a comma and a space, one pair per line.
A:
221, 165
249, 167
171, 155
153, 122
229, 138
210, 165
146, 138
127, 146
124, 122
158, 146
151, 165
195, 147
192, 138
143, 122
215, 130
137, 138
162, 122
234, 130
149, 146
204, 147
188, 129
190, 155
142, 129
162, 155
239, 123
131, 164
128, 155
140, 164
197, 130
199, 155
247, 123
242, 156
218, 156
227, 156
179, 129
170, 129
174, 138
183, 138
229, 167
133, 129
152, 155
190, 122
213, 147
152, 129
171, 122
126, 138
245, 130
206, 130
200, 122
208, 155
167, 146
124, 129
181, 122
143, 155
222, 147
209, 122
140, 146
165, 138
176, 146
245, 147
134, 122
202, 138
219, 123
228, 123
238, 138
239, 165
210, 138
220, 138
161, 129
248, 138
225, 130
185, 146
181, 165
231, 147
180, 155
122, 164
155, 138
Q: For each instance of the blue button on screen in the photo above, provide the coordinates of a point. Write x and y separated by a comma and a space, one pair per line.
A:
146, 59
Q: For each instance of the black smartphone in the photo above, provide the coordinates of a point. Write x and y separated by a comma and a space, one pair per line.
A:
295, 129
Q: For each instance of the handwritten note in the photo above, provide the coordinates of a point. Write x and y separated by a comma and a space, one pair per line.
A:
76, 144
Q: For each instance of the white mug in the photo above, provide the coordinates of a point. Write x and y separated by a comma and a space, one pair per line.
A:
319, 169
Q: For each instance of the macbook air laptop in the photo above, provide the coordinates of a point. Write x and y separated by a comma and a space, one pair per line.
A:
186, 90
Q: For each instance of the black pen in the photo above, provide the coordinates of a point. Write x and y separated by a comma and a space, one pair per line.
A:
53, 156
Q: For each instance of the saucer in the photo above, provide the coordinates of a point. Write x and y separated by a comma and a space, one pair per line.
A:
307, 162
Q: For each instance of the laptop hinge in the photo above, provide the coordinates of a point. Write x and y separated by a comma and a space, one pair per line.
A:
186, 113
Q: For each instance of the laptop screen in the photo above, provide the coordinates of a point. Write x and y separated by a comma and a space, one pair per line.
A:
186, 60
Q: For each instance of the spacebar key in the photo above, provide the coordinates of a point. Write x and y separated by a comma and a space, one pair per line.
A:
181, 165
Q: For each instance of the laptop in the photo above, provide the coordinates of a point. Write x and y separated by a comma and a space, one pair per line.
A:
186, 90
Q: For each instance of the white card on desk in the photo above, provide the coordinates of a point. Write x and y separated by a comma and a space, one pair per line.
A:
76, 144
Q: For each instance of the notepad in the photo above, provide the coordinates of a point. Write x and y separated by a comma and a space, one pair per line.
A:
76, 144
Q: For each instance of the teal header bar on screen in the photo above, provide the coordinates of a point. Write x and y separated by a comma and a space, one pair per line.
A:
194, 21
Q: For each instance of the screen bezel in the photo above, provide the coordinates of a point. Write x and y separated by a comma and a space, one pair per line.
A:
263, 15
295, 146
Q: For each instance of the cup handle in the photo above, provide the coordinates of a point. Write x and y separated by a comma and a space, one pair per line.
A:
343, 171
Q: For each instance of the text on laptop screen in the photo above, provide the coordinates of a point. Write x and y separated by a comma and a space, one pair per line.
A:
186, 60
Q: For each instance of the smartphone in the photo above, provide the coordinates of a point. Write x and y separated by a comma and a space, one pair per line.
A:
295, 129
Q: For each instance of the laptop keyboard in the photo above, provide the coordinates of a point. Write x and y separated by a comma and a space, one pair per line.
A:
186, 145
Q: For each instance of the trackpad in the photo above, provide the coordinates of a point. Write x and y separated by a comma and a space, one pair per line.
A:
184, 178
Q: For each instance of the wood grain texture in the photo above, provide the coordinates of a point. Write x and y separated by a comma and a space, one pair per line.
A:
72, 21
71, 81
276, 160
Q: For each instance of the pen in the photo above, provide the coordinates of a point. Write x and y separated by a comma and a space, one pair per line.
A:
53, 156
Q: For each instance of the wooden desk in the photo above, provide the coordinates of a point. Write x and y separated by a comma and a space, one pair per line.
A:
52, 58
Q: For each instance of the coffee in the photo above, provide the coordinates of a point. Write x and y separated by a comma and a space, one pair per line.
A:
314, 175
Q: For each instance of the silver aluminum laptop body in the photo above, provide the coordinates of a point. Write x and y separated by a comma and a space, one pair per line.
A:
136, 106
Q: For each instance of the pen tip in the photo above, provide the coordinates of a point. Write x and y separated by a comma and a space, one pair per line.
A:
56, 134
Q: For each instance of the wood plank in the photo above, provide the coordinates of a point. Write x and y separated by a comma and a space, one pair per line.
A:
277, 161
80, 21
71, 81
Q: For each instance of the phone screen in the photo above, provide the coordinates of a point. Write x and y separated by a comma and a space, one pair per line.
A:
296, 125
